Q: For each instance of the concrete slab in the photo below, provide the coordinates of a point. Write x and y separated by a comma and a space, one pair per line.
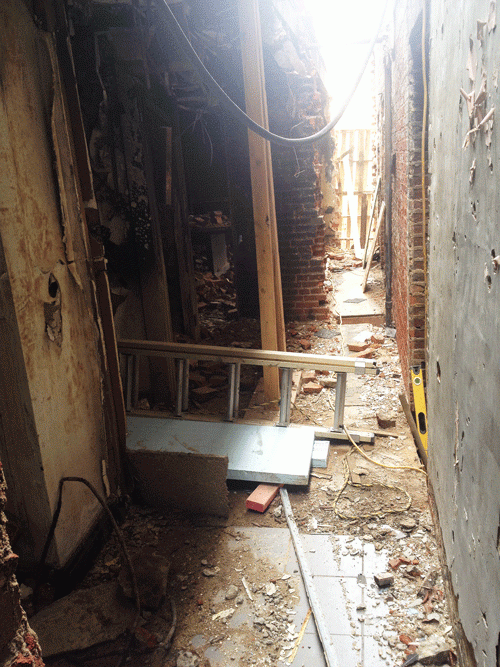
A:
354, 305
255, 452
83, 619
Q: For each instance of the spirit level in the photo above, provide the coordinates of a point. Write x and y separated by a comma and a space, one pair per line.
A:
417, 383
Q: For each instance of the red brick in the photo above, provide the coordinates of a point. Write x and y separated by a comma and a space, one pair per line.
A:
260, 499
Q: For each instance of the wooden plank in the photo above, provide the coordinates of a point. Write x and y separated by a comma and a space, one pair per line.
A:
154, 283
353, 206
373, 245
372, 213
250, 357
266, 250
182, 235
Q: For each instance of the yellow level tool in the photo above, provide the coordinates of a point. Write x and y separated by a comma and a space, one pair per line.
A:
417, 382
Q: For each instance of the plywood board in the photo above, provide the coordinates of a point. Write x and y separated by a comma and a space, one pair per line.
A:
258, 453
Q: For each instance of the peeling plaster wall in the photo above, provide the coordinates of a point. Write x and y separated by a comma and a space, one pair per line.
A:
44, 242
464, 318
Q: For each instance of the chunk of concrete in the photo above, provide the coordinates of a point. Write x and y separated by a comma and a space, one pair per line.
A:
82, 619
434, 651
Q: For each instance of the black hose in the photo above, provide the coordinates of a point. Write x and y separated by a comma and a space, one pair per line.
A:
166, 21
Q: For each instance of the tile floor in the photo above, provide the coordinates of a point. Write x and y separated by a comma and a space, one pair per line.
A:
342, 568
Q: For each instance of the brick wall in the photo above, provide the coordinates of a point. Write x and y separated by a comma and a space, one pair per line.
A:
301, 229
18, 643
407, 238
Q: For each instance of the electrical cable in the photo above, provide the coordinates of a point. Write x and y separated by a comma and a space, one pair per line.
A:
382, 465
121, 539
166, 20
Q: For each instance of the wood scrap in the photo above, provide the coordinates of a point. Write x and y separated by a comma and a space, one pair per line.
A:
373, 245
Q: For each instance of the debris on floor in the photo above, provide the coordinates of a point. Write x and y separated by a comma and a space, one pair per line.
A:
364, 523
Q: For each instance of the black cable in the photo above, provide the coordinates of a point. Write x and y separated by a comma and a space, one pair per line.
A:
121, 539
165, 19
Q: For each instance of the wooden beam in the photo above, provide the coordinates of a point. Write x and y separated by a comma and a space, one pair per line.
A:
270, 297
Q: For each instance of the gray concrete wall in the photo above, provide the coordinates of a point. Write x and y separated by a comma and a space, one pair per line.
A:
464, 317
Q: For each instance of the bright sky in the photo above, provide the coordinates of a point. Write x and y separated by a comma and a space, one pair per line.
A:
338, 24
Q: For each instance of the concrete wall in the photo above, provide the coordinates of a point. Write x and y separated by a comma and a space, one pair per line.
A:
46, 272
464, 319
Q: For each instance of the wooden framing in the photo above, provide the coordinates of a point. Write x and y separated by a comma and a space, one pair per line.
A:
266, 238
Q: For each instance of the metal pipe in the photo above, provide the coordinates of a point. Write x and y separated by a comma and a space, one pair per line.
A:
128, 401
135, 384
338, 417
284, 417
180, 383
185, 386
319, 619
230, 397
236, 406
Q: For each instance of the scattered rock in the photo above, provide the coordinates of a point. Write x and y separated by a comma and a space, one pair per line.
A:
378, 338
270, 589
221, 615
408, 523
384, 579
386, 420
231, 592
187, 659
277, 511
210, 571
327, 333
434, 651
306, 344
432, 618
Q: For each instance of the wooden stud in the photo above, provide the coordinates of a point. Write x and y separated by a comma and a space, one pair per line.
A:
270, 297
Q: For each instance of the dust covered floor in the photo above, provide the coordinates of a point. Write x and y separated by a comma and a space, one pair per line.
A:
236, 585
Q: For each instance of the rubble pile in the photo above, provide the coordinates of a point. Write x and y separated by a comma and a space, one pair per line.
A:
209, 220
